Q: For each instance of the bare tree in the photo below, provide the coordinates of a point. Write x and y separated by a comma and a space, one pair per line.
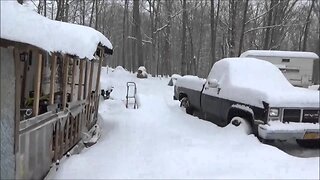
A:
232, 27
137, 33
214, 25
243, 26
183, 42
189, 36
125, 32
167, 45
306, 29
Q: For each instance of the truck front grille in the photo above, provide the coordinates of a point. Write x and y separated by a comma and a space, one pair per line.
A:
291, 115
310, 116
301, 115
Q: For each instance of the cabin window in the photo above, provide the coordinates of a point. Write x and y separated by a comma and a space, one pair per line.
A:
285, 60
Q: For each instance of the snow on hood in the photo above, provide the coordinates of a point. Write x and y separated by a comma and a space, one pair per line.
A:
252, 81
21, 24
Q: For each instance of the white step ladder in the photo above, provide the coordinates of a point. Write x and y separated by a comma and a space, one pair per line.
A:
130, 95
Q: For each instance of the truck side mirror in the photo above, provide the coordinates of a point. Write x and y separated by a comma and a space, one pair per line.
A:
213, 83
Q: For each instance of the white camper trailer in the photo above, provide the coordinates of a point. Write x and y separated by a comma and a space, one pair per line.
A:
298, 67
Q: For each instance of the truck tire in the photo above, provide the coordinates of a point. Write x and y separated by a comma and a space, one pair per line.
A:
186, 104
309, 143
242, 123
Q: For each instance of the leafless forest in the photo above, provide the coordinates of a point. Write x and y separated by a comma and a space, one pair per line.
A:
188, 36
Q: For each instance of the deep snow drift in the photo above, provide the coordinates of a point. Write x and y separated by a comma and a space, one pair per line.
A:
159, 140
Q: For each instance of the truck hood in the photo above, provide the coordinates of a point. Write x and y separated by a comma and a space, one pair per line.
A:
293, 97
289, 97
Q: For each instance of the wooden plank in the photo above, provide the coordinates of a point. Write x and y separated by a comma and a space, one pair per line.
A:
73, 79
24, 80
98, 82
62, 128
52, 78
17, 64
37, 83
56, 142
86, 80
65, 81
80, 86
72, 134
89, 92
81, 117
66, 146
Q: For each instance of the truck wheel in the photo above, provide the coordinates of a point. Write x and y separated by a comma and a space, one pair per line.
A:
242, 123
186, 104
309, 143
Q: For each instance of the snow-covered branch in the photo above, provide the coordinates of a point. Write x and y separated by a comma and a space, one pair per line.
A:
144, 41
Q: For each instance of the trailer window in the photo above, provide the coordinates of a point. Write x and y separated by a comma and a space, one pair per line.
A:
285, 60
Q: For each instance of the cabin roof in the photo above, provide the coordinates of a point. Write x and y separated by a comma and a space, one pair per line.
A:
283, 54
21, 24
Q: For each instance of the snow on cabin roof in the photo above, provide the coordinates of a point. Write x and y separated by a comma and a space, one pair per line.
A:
283, 54
22, 24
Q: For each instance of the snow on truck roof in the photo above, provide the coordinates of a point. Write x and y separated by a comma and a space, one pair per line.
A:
24, 25
283, 54
250, 72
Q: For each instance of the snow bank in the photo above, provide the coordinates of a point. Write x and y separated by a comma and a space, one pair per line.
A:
314, 87
21, 24
252, 81
282, 54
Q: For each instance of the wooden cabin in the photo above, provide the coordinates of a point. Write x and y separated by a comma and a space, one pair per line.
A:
50, 74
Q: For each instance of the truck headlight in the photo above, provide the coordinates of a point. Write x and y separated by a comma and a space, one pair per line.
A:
274, 112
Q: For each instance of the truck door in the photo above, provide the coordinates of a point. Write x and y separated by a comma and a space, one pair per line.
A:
210, 101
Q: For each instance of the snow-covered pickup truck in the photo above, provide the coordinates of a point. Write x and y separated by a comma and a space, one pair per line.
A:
256, 91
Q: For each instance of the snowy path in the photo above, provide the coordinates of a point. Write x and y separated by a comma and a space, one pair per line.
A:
160, 141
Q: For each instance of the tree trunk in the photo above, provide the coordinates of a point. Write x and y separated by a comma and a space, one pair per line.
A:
83, 11
137, 32
167, 46
125, 33
45, 7
200, 37
66, 7
152, 35
183, 42
243, 26
60, 10
97, 16
157, 22
213, 34
306, 29
269, 21
92, 11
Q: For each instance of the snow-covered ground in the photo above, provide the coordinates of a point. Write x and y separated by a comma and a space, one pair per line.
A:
159, 140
